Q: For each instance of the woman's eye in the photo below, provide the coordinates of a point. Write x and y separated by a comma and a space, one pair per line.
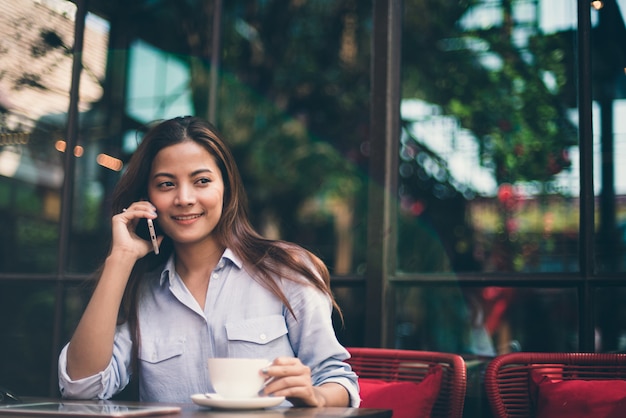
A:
203, 180
165, 184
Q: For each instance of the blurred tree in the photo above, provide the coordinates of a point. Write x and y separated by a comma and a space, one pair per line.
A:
512, 97
294, 101
497, 89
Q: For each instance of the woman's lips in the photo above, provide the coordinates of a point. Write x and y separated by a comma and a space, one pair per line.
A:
185, 217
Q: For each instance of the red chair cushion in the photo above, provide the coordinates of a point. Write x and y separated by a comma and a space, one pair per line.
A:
578, 398
405, 399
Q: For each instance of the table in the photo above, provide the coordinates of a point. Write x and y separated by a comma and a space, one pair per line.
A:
192, 410
197, 412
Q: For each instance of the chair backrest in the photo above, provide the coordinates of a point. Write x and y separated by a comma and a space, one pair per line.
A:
413, 365
507, 376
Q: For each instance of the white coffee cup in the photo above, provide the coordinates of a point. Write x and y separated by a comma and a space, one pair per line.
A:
239, 378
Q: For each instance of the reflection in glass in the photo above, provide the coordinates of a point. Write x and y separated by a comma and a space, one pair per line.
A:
294, 102
610, 183
89, 229
27, 309
609, 150
158, 84
487, 180
610, 320
34, 96
486, 321
350, 331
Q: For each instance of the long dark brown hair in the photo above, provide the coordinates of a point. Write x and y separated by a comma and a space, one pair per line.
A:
266, 258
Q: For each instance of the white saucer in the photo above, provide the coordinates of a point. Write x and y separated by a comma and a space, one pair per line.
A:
247, 403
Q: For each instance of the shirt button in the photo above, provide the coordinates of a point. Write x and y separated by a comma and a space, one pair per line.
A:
215, 275
221, 264
263, 337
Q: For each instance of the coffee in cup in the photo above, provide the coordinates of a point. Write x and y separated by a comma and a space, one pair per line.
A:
237, 377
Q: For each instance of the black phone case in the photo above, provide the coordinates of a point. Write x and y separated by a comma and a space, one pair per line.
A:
143, 231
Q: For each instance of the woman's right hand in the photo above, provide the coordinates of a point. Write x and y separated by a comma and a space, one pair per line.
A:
91, 346
125, 224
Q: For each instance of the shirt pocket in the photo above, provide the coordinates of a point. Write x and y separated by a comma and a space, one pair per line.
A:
161, 349
258, 337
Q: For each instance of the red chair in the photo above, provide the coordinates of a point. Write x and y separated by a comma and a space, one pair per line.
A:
412, 365
507, 376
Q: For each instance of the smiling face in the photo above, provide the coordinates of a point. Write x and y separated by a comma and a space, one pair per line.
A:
187, 189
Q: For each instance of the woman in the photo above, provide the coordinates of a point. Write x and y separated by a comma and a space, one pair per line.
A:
216, 288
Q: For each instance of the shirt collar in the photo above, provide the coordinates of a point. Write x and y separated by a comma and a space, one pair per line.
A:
169, 265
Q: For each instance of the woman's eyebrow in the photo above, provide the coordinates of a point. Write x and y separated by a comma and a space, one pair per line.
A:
201, 171
162, 174
192, 174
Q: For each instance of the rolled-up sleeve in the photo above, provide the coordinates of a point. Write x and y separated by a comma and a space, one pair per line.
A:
341, 373
106, 383
313, 338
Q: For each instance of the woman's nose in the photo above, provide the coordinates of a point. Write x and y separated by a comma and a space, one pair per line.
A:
185, 196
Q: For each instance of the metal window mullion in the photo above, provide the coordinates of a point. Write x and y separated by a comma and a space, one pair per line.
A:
383, 169
586, 228
216, 61
67, 193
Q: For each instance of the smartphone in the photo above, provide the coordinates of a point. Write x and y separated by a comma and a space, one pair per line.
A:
149, 232
153, 237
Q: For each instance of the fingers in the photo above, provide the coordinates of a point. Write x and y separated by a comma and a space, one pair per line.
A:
136, 211
286, 366
141, 209
290, 378
125, 224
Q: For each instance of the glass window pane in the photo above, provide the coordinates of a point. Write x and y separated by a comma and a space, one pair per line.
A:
294, 102
350, 332
158, 84
609, 116
27, 309
610, 317
610, 183
36, 63
486, 321
488, 177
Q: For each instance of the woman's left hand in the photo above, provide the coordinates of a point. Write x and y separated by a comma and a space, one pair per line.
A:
288, 377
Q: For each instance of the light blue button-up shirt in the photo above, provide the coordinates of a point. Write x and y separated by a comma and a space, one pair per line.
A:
240, 319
